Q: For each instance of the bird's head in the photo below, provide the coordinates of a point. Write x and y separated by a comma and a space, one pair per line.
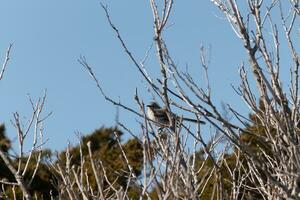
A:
153, 105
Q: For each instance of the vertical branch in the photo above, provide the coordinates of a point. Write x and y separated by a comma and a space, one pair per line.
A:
159, 25
98, 181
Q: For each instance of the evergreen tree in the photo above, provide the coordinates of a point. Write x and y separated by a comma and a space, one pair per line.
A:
105, 149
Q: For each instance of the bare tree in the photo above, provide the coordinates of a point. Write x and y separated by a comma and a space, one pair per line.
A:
35, 126
272, 169
24, 158
178, 163
275, 167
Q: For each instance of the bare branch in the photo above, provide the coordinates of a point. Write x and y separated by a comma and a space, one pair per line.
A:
7, 58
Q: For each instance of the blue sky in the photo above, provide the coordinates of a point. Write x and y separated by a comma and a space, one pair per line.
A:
49, 37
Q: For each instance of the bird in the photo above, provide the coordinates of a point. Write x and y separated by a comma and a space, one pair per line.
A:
160, 116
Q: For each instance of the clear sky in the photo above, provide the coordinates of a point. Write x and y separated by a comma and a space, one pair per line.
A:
49, 37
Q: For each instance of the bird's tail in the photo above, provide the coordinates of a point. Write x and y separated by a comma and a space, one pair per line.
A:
193, 120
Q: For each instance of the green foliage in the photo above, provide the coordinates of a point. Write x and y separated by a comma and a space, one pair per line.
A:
41, 184
253, 138
5, 144
105, 148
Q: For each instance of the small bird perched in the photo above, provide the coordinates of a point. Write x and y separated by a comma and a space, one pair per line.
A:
160, 115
